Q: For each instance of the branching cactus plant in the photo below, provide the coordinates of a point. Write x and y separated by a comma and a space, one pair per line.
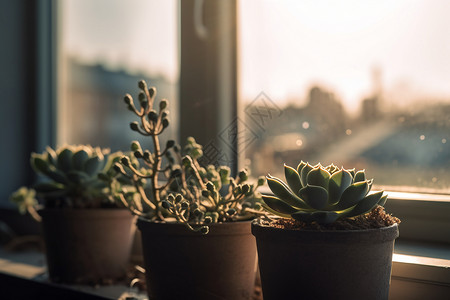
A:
71, 179
169, 183
321, 194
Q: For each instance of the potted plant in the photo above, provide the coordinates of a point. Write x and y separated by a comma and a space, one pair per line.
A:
331, 238
194, 220
87, 237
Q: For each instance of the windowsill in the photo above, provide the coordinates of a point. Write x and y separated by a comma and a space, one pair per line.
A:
26, 270
416, 261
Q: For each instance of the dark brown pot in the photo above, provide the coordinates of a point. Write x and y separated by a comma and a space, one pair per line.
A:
181, 264
87, 245
307, 264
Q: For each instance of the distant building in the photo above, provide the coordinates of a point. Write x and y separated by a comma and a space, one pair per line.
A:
95, 112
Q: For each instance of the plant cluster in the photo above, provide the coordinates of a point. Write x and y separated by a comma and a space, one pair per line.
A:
72, 178
321, 194
171, 185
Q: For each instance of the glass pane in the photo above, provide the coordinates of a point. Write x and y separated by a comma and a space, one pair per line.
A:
106, 47
360, 84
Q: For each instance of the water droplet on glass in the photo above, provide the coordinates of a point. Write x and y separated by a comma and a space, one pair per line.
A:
299, 142
434, 179
348, 132
305, 125
444, 141
422, 137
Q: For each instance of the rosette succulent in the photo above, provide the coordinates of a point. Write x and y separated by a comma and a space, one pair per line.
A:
321, 194
72, 177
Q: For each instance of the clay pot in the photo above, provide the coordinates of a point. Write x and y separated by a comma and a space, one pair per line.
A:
87, 245
308, 264
181, 264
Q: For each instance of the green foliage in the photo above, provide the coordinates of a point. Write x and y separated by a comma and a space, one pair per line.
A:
171, 185
321, 194
24, 198
74, 176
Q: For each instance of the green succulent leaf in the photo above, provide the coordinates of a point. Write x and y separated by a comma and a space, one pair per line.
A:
321, 217
352, 195
352, 171
64, 162
293, 179
300, 167
318, 177
48, 187
57, 176
325, 217
360, 176
52, 157
365, 205
39, 164
304, 173
280, 189
278, 205
338, 183
79, 159
77, 176
315, 196
303, 216
93, 165
383, 200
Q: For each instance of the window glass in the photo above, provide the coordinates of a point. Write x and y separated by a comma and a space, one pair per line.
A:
105, 48
361, 84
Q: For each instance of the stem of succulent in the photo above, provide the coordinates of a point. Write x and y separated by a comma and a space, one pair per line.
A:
34, 213
132, 209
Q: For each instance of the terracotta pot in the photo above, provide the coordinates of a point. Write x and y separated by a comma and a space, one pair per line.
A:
308, 264
87, 245
181, 264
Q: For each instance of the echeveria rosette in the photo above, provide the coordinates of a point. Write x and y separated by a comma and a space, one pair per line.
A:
321, 194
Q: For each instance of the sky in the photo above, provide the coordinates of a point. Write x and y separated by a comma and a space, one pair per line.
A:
284, 46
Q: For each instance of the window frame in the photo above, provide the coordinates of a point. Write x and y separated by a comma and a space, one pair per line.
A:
210, 104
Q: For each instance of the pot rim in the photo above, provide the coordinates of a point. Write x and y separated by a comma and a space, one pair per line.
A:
175, 228
86, 213
372, 235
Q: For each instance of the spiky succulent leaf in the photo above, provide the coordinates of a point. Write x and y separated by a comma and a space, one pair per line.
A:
360, 176
304, 173
278, 205
338, 183
365, 205
315, 196
318, 177
300, 167
293, 179
352, 195
52, 157
352, 171
280, 189
383, 200
38, 163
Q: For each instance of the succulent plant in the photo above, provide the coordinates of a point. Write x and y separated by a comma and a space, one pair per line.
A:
321, 194
170, 184
72, 178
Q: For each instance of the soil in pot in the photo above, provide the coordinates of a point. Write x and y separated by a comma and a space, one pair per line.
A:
181, 264
300, 261
88, 246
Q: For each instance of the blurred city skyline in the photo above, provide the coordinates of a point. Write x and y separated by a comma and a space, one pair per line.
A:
286, 47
